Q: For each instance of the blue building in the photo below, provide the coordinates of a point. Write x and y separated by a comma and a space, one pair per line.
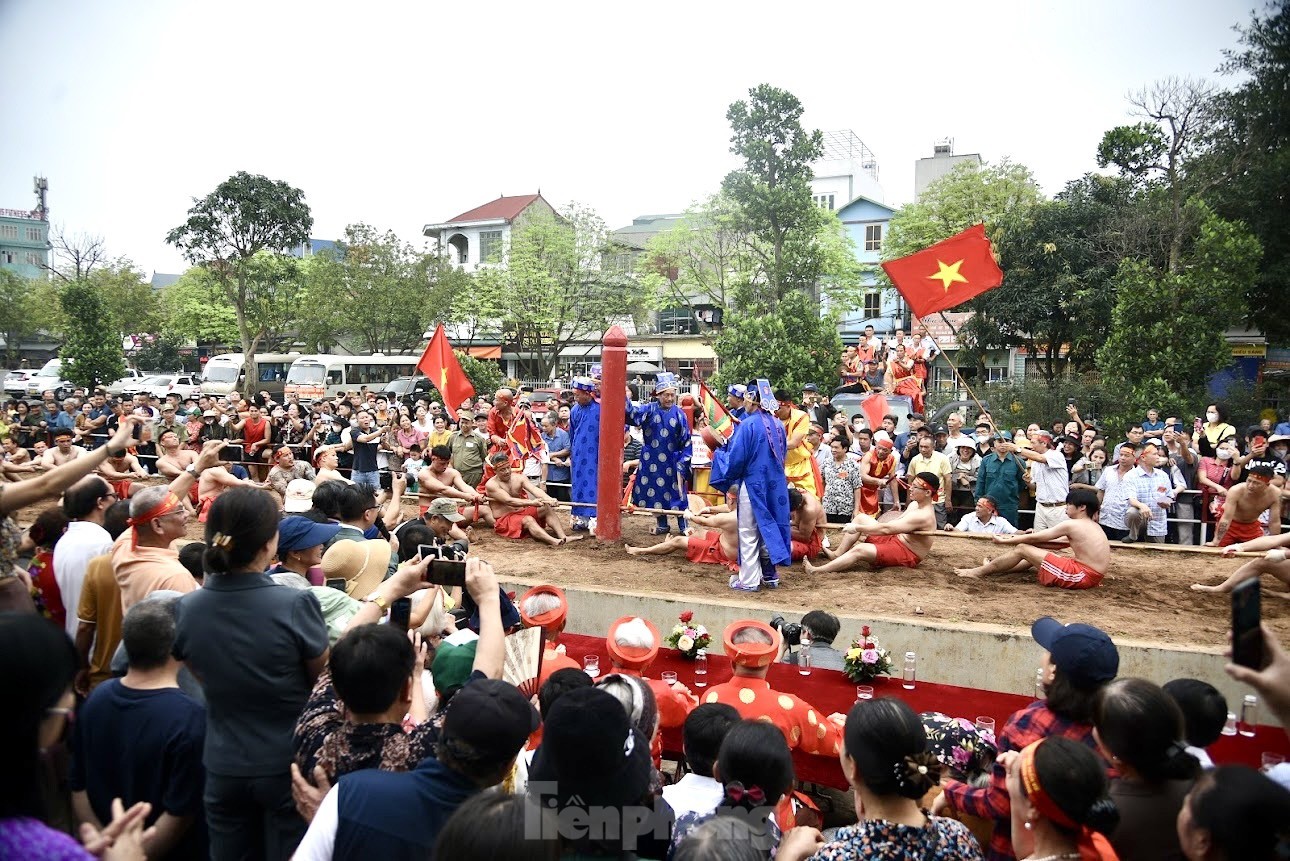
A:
865, 221
24, 237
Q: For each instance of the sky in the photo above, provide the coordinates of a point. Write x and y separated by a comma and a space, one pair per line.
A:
403, 114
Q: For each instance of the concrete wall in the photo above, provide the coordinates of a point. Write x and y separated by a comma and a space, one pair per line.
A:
986, 657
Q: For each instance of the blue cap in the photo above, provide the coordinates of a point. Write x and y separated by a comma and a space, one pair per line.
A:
584, 384
666, 380
1084, 654
295, 532
737, 390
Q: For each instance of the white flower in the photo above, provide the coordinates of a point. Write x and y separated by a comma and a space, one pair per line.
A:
679, 629
703, 631
685, 644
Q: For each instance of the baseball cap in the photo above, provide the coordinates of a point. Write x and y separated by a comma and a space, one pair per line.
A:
299, 496
492, 717
591, 753
1084, 654
295, 532
454, 660
810, 387
445, 508
210, 414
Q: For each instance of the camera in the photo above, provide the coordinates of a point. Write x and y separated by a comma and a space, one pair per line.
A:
790, 631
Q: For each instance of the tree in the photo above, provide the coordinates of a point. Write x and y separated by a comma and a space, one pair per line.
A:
91, 350
75, 257
1153, 347
484, 375
695, 262
130, 300
1058, 292
22, 309
196, 308
238, 233
772, 192
1247, 167
555, 288
159, 353
791, 347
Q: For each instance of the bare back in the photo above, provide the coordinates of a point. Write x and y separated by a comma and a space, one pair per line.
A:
727, 525
1088, 542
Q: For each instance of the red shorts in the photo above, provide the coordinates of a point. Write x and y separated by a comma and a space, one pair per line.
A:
1240, 531
707, 548
512, 525
807, 549
204, 508
121, 488
892, 552
1067, 573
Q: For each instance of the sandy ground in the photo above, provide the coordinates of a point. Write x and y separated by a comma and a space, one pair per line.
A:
1144, 596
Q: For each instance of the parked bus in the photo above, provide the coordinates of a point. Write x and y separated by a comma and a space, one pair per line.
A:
324, 376
226, 374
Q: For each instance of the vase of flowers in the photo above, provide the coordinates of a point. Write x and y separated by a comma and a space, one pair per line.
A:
866, 660
688, 638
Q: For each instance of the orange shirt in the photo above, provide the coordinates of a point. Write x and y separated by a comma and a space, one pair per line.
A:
803, 725
101, 605
140, 571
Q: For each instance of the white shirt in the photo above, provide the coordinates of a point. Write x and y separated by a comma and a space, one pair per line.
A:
694, 794
72, 554
1052, 482
953, 441
996, 526
320, 840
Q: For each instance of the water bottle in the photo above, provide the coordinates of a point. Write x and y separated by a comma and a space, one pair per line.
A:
701, 668
804, 659
1039, 684
911, 665
1229, 728
1249, 716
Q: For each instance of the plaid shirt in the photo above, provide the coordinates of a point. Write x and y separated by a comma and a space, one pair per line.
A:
1028, 725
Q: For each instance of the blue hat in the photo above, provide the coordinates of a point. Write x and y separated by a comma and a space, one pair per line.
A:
1084, 654
666, 380
768, 401
737, 390
596, 371
584, 384
295, 532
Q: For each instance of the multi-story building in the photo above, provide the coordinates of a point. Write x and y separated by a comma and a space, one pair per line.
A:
943, 160
24, 236
481, 235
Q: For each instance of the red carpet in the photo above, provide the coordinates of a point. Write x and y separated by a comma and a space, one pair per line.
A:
831, 691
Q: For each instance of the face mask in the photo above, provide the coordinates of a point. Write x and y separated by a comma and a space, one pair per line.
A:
982, 437
1211, 417
1223, 454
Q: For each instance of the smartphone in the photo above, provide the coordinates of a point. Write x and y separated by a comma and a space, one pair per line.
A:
401, 613
442, 572
1070, 402
337, 583
231, 453
386, 479
1247, 637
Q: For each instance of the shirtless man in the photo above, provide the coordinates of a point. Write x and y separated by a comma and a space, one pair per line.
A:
1273, 562
121, 472
1080, 566
213, 481
805, 520
16, 459
439, 479
1245, 504
891, 542
511, 497
717, 546
327, 460
62, 452
172, 462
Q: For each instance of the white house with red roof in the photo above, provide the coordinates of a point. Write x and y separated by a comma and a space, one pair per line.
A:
481, 235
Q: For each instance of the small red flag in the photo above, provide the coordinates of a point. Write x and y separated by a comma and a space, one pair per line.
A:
874, 408
946, 274
440, 364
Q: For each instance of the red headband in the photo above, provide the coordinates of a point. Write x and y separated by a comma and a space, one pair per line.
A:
1035, 792
161, 509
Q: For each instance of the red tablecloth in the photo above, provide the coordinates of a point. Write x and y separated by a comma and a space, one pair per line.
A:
831, 691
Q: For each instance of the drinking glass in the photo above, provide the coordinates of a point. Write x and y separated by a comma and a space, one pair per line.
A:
864, 692
591, 664
668, 677
701, 670
985, 724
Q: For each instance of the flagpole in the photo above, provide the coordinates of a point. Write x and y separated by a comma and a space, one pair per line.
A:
958, 376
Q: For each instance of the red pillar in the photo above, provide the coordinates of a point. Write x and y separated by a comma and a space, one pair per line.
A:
613, 405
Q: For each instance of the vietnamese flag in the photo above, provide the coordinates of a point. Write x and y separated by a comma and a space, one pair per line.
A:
946, 274
440, 364
874, 408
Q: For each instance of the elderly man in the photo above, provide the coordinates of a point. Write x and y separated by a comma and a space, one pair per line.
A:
984, 519
546, 607
1050, 477
1001, 476
891, 542
511, 498
584, 450
877, 471
662, 479
633, 645
287, 469
928, 459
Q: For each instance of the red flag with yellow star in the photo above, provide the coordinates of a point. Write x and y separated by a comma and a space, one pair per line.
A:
946, 274
440, 364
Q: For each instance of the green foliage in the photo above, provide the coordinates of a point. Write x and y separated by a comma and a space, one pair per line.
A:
1136, 150
791, 346
22, 310
696, 261
772, 191
1166, 331
91, 350
1247, 169
195, 308
130, 300
485, 376
967, 195
160, 353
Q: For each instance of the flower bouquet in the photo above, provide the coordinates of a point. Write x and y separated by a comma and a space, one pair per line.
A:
865, 660
687, 637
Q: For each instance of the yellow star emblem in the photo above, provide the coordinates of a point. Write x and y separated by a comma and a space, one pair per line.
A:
948, 274
443, 379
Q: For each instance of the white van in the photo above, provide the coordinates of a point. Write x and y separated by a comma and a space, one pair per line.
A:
225, 374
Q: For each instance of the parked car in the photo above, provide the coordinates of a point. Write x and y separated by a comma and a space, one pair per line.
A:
184, 385
407, 390
15, 382
132, 377
130, 388
49, 379
900, 406
539, 397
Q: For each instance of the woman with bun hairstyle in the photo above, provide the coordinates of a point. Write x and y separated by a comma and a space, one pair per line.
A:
1140, 729
1234, 813
1060, 806
886, 759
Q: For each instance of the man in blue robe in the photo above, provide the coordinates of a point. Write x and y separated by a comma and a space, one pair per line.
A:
754, 459
735, 401
584, 431
664, 472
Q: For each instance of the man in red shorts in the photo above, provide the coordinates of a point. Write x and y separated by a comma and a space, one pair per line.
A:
888, 543
1079, 566
805, 520
1244, 505
717, 546
512, 498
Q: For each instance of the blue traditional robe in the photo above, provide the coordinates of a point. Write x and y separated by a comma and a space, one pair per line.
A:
737, 412
754, 459
584, 455
665, 456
